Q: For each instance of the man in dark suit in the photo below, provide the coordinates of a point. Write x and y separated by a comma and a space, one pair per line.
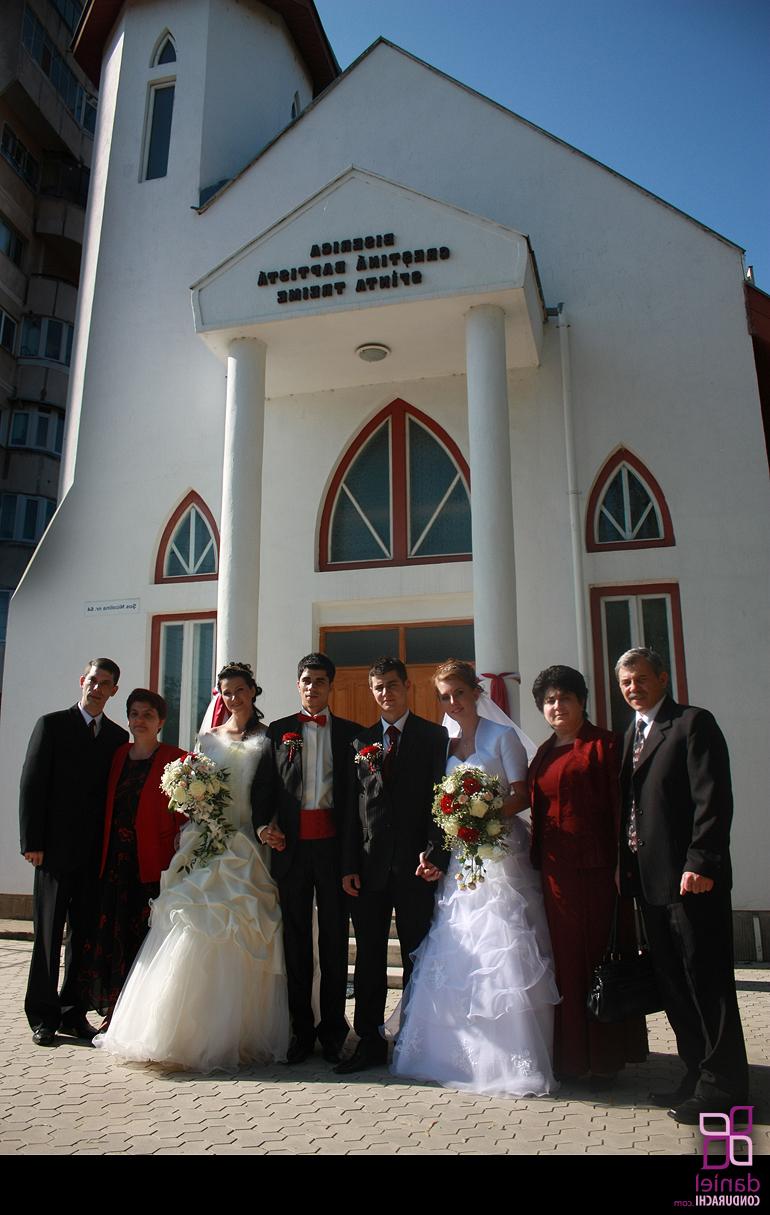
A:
312, 751
61, 813
392, 852
675, 857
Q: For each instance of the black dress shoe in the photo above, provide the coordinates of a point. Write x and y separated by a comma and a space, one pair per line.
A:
332, 1051
43, 1036
299, 1050
370, 1052
689, 1112
78, 1026
675, 1096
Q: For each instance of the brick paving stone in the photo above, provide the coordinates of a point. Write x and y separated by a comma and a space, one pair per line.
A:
73, 1101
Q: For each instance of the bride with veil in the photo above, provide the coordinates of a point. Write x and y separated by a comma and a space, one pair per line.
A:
478, 1011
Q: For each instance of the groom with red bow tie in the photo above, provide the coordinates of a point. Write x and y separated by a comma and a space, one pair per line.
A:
312, 764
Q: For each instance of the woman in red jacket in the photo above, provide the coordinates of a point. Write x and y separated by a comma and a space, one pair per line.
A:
139, 841
575, 798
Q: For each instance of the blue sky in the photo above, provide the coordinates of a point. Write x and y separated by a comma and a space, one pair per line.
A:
674, 94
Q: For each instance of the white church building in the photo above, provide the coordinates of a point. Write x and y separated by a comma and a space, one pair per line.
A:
365, 362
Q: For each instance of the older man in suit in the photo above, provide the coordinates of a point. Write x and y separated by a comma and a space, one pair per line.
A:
311, 751
61, 813
392, 852
675, 857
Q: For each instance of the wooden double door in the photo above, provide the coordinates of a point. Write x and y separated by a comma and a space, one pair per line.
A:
421, 646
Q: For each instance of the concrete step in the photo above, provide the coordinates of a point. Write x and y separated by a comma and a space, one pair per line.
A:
394, 978
16, 930
394, 952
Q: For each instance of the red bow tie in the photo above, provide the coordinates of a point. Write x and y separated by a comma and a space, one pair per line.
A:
318, 720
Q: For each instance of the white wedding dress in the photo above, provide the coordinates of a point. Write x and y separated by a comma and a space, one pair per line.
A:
478, 1011
208, 988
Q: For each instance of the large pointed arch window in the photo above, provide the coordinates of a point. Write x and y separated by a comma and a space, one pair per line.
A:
627, 507
400, 495
188, 550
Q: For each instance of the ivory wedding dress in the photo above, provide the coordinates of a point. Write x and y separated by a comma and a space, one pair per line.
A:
208, 988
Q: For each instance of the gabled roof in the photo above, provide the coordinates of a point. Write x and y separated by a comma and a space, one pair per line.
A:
399, 50
301, 19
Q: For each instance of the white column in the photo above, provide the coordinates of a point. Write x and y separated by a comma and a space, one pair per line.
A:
494, 567
238, 590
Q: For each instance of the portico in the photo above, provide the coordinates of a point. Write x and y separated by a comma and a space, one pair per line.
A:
440, 293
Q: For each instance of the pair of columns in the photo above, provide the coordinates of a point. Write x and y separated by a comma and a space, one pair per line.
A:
494, 573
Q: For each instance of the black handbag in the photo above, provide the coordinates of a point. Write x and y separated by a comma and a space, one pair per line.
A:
624, 984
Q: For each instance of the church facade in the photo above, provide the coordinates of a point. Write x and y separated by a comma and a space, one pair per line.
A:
364, 361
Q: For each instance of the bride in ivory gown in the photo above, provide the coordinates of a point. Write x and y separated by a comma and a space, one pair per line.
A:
208, 988
478, 1011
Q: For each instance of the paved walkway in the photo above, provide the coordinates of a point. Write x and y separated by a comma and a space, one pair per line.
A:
72, 1100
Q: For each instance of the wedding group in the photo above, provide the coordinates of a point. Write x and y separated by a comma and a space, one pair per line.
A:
198, 937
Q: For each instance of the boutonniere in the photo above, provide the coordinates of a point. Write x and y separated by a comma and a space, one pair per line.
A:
370, 757
293, 744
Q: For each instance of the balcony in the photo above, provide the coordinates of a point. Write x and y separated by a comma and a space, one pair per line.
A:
48, 296
38, 380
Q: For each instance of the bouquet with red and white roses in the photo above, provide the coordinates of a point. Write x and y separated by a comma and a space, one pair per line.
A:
468, 808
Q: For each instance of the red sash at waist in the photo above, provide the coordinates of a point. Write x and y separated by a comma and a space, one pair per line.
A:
316, 825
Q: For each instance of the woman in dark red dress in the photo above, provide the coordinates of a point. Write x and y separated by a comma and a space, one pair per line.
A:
139, 841
575, 798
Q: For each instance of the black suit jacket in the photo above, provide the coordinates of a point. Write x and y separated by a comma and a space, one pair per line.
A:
63, 790
389, 821
684, 804
287, 783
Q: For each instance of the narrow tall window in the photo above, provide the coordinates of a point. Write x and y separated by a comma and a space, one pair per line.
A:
159, 130
182, 667
645, 614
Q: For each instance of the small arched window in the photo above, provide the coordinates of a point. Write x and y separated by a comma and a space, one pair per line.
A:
189, 546
627, 507
165, 51
399, 496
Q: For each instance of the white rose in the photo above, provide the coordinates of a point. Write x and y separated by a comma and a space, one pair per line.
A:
486, 852
478, 807
197, 789
214, 785
494, 828
451, 828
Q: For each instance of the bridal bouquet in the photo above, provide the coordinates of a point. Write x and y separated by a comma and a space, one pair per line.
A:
467, 806
198, 787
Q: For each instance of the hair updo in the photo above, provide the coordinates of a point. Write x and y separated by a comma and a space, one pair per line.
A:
243, 670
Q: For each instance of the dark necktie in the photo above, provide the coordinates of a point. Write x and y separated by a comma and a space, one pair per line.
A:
389, 762
92, 729
638, 747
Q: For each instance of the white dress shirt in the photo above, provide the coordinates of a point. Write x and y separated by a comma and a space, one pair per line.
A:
87, 718
317, 765
648, 717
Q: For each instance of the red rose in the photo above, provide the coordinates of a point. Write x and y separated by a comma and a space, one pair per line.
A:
290, 738
368, 750
447, 804
470, 785
469, 834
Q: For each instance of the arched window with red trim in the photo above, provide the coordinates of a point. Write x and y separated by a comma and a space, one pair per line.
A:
626, 507
189, 547
399, 496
